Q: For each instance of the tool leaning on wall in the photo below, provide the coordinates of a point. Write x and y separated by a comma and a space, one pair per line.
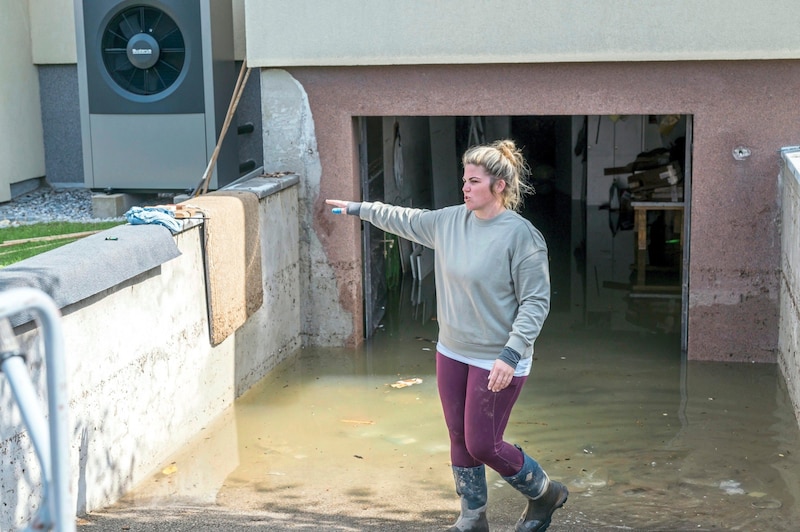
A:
241, 81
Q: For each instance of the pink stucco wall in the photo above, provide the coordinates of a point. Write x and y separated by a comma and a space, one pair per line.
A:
735, 244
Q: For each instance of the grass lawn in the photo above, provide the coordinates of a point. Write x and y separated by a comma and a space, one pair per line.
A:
24, 241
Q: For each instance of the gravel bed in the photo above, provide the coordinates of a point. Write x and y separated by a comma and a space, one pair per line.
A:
47, 204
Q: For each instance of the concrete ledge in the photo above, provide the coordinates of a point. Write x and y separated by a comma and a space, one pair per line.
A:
261, 185
267, 184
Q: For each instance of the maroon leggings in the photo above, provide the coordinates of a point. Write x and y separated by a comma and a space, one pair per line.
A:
477, 417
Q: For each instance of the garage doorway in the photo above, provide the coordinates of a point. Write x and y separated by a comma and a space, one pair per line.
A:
612, 196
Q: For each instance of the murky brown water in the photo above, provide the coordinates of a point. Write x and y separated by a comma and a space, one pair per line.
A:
642, 440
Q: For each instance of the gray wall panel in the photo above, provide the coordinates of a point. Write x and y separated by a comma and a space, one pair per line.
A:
58, 90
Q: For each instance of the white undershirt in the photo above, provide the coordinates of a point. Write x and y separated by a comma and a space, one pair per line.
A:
523, 366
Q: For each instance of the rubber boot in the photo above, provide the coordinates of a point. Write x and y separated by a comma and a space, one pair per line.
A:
471, 487
545, 496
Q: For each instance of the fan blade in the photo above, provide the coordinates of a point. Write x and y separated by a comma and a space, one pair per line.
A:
168, 32
167, 74
156, 73
121, 63
153, 24
149, 19
166, 64
130, 24
114, 38
151, 82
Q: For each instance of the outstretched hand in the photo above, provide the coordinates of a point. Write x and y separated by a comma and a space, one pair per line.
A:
337, 203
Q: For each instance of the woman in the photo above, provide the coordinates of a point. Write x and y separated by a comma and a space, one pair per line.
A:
493, 295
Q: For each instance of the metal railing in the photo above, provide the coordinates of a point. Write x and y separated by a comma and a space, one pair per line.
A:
49, 435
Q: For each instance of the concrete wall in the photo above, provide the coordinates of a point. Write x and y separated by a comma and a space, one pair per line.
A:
735, 247
143, 377
789, 336
387, 32
21, 143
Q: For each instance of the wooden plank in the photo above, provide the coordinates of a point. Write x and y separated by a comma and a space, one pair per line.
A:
653, 205
46, 238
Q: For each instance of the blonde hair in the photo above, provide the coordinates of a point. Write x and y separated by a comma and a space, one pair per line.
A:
503, 160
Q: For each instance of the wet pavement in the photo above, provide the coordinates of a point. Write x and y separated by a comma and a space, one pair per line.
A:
643, 440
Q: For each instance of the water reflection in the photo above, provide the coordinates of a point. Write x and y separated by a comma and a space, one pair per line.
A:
643, 440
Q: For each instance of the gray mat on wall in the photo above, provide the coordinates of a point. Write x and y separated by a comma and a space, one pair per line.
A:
95, 263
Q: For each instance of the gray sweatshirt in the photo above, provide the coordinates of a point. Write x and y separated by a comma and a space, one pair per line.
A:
492, 276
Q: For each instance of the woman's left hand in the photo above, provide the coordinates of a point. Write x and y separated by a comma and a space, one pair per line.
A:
337, 203
500, 376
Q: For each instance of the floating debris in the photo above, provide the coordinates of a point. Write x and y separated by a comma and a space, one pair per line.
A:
357, 421
766, 504
406, 382
731, 487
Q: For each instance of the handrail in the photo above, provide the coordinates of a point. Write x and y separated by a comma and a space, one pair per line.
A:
57, 510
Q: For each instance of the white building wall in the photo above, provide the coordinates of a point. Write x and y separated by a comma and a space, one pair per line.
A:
21, 141
52, 30
387, 32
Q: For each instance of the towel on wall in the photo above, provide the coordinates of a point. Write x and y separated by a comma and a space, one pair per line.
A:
232, 248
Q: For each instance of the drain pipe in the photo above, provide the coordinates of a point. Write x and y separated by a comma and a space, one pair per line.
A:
56, 511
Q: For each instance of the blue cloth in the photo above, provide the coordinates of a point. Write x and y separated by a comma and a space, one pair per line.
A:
153, 215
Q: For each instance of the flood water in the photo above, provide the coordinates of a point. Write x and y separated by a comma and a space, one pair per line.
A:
643, 440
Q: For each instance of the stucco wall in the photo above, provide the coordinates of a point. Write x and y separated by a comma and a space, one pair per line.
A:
21, 144
387, 32
143, 378
735, 246
789, 337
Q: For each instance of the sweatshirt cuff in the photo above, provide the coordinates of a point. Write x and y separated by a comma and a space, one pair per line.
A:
353, 208
510, 357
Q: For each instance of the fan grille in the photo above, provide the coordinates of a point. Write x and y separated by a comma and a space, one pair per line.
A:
150, 23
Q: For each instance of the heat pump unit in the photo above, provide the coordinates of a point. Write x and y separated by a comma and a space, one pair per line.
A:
155, 82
